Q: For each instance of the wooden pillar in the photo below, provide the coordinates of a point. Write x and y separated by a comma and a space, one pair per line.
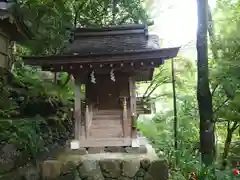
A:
86, 121
4, 53
77, 108
132, 90
125, 118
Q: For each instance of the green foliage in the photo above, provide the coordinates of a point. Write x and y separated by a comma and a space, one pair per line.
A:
224, 76
51, 20
35, 112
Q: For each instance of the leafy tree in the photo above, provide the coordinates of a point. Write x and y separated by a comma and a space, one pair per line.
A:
50, 20
29, 92
224, 68
207, 137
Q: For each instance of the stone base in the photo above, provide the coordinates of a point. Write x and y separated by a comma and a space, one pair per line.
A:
106, 166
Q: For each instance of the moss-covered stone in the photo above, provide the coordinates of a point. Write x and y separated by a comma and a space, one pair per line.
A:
51, 169
111, 168
147, 176
158, 170
68, 167
108, 166
130, 167
90, 169
145, 163
140, 173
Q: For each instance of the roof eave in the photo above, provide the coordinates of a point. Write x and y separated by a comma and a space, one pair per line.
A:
111, 28
22, 31
166, 53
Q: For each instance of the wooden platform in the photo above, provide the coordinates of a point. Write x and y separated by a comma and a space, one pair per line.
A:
105, 142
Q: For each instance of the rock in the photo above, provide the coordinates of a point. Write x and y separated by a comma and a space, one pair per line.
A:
141, 172
124, 178
138, 178
111, 168
11, 175
29, 172
158, 170
51, 169
68, 167
90, 169
69, 176
74, 175
9, 158
148, 177
130, 167
145, 163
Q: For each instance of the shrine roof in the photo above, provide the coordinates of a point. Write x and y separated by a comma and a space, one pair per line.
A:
111, 28
163, 53
12, 23
114, 44
111, 39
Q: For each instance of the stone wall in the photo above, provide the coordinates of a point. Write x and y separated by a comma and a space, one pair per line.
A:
15, 164
72, 165
106, 169
105, 166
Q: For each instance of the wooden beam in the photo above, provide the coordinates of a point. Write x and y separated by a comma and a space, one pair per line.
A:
132, 90
105, 142
77, 108
125, 118
80, 35
118, 66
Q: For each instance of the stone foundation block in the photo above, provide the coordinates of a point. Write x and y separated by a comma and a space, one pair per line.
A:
51, 169
107, 166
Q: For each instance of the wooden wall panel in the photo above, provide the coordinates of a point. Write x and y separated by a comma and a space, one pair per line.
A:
3, 50
105, 94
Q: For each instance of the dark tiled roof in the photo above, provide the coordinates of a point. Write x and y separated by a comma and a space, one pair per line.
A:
112, 28
112, 39
12, 23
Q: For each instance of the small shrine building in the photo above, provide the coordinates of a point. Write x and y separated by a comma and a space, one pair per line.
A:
108, 61
12, 29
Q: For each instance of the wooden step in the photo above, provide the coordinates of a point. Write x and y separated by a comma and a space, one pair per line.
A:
101, 142
107, 117
100, 133
105, 126
107, 112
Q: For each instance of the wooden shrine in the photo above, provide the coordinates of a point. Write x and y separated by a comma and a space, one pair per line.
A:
12, 29
108, 61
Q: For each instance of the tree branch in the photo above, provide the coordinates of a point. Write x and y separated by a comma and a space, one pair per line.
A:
152, 82
154, 88
219, 107
211, 34
214, 89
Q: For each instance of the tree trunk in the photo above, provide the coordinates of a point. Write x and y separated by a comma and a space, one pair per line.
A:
228, 140
207, 138
227, 144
